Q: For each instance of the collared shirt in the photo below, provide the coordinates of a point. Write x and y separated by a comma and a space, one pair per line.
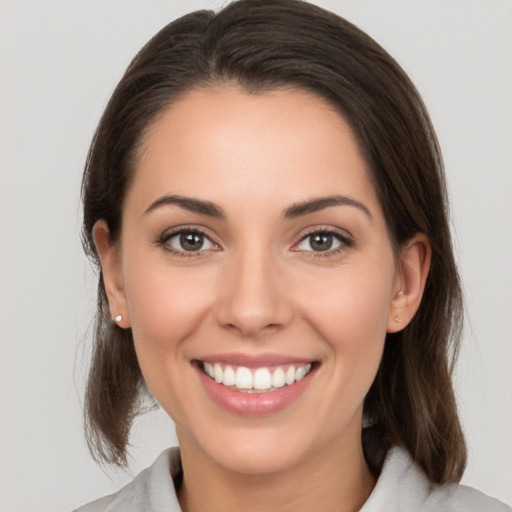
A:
402, 487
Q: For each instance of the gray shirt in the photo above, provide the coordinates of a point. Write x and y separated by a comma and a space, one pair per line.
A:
402, 487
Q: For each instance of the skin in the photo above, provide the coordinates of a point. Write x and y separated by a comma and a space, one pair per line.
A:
257, 286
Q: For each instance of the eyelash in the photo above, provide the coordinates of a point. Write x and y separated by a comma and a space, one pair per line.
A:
165, 237
345, 242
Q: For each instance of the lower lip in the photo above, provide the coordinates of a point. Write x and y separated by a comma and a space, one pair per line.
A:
254, 404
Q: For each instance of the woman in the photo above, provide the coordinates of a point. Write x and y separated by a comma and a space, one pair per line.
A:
266, 199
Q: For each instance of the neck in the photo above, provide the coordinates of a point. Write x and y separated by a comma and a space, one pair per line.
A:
337, 481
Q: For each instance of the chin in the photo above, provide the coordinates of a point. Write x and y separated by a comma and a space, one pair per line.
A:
254, 451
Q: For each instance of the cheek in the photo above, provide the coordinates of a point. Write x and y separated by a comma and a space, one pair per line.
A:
166, 305
353, 306
164, 299
165, 311
350, 314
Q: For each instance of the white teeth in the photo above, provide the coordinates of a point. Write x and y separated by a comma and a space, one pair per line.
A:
209, 369
243, 378
278, 378
229, 377
290, 376
300, 373
262, 379
217, 373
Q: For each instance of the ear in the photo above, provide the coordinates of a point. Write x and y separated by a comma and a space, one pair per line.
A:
414, 265
111, 268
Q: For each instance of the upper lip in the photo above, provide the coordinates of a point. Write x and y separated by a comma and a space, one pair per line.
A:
254, 361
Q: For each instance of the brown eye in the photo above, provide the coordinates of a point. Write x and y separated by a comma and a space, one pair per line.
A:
327, 242
189, 241
320, 242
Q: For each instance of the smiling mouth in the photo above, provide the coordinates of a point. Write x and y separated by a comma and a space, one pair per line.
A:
255, 380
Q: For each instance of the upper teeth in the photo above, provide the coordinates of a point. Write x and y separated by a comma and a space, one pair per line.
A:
259, 378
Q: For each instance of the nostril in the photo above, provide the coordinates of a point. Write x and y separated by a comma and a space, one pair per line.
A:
252, 330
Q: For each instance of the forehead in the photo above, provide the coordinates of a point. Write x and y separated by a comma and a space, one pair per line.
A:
222, 141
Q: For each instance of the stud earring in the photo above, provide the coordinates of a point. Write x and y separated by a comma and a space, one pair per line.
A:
397, 319
400, 292
118, 318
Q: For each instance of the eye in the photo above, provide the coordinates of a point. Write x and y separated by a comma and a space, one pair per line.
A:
187, 241
323, 242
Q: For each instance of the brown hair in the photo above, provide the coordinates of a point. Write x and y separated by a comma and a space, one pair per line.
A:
262, 46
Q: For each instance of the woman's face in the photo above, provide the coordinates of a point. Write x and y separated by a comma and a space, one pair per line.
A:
254, 248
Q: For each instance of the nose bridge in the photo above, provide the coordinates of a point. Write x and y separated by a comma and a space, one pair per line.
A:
252, 298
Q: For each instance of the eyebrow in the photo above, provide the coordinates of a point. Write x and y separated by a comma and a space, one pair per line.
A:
292, 212
190, 204
320, 203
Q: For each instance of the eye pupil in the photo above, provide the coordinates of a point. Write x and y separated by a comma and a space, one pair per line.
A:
321, 242
191, 241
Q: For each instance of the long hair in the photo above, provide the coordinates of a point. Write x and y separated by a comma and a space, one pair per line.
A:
262, 46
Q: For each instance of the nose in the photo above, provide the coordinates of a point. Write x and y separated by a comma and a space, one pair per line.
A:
252, 297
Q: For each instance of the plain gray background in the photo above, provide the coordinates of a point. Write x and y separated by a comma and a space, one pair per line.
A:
60, 60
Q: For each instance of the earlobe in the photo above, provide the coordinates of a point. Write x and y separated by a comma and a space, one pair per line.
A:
414, 262
110, 260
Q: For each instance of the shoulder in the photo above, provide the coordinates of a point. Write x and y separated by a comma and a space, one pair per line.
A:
461, 498
403, 486
151, 490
